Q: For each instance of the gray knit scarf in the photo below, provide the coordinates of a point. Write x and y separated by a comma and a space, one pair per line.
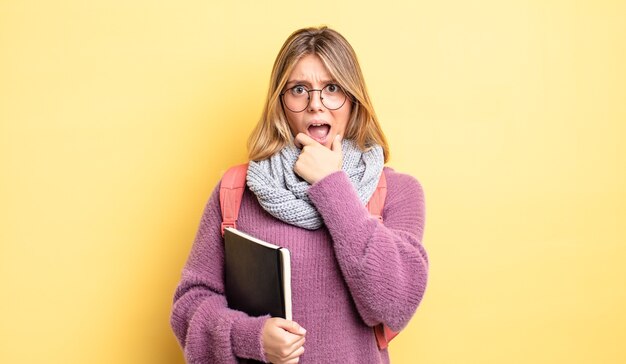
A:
283, 194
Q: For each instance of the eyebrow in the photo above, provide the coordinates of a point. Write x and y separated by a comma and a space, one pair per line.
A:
307, 83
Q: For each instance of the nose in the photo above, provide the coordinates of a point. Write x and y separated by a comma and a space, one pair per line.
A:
315, 100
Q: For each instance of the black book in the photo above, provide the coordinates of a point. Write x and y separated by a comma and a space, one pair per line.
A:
257, 275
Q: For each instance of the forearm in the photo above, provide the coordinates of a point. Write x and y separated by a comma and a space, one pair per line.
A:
211, 333
385, 266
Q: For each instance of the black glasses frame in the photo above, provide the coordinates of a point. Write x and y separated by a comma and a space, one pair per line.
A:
282, 101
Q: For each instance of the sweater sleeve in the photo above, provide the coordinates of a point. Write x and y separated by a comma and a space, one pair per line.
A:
207, 330
385, 265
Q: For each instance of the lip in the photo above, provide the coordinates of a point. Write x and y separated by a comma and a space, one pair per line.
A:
319, 122
316, 121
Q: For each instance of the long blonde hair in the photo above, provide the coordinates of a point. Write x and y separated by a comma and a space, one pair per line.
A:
272, 131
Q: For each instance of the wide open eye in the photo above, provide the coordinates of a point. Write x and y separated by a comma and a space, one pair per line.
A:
298, 90
332, 88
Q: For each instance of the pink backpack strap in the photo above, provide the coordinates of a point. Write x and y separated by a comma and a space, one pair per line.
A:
375, 206
377, 201
231, 192
384, 335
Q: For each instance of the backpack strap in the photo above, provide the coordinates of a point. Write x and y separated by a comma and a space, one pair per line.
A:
384, 335
377, 201
231, 192
375, 206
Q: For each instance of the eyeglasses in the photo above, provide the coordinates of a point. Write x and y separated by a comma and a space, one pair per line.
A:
297, 98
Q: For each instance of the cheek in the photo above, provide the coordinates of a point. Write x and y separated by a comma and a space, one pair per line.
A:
293, 121
343, 117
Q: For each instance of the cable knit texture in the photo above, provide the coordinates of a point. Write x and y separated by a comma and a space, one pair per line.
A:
284, 195
347, 276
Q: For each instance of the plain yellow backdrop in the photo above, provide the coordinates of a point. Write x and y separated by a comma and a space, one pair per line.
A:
117, 119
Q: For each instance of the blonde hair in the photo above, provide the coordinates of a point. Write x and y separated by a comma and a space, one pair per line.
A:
272, 131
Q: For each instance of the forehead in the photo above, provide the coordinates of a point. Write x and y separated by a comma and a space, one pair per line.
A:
310, 68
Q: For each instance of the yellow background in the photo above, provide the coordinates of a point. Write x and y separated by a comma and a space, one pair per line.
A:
118, 117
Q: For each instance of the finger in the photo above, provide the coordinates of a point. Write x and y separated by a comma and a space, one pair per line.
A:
296, 345
304, 140
293, 358
292, 327
336, 146
292, 350
297, 143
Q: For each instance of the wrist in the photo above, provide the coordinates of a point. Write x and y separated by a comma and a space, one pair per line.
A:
246, 337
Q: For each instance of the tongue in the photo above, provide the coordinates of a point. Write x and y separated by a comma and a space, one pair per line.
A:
319, 132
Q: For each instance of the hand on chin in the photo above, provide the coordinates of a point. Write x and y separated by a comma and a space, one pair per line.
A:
316, 161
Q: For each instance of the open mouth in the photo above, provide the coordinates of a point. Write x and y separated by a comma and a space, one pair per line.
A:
319, 132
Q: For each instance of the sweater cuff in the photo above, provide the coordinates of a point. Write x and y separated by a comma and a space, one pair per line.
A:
336, 199
332, 181
246, 337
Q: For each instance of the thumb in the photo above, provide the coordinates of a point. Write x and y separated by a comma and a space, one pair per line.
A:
336, 146
292, 327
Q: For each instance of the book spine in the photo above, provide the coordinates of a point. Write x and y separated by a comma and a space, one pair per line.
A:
281, 278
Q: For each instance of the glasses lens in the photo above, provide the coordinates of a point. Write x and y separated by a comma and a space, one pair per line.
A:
333, 97
296, 98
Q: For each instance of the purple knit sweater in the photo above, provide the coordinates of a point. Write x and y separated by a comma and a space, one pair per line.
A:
348, 276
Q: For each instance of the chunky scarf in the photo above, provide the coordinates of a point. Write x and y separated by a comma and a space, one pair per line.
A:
283, 194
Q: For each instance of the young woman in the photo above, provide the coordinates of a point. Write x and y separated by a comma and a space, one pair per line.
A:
316, 157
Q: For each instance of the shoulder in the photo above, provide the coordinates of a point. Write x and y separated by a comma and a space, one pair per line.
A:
404, 192
404, 206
